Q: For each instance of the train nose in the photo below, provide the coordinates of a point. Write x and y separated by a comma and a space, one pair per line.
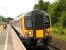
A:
39, 33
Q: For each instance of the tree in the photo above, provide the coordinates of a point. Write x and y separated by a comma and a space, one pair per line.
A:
56, 9
63, 19
53, 12
62, 9
9, 19
42, 5
2, 19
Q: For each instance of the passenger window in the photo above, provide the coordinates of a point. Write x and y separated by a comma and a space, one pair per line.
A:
28, 21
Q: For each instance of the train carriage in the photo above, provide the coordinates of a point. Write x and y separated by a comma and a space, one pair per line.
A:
36, 26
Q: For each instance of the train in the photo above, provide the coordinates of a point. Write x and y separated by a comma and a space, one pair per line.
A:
35, 27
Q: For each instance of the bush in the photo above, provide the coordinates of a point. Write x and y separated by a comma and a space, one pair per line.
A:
57, 29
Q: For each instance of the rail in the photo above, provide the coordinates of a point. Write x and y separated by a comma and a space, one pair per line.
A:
51, 46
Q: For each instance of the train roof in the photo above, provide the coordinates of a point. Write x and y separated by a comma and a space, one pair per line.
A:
36, 11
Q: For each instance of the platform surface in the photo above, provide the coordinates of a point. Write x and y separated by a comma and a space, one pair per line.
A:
9, 40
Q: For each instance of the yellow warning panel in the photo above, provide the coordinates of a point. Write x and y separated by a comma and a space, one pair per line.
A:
39, 34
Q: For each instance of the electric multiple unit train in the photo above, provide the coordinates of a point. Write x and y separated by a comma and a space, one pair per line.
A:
36, 27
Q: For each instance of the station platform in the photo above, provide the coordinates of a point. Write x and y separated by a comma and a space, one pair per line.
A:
9, 40
1, 28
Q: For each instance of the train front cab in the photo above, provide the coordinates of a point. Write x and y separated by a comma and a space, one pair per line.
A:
36, 26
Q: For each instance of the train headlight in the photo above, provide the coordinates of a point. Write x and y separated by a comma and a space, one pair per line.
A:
30, 33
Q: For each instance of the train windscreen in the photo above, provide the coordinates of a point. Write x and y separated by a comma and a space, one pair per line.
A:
28, 22
38, 21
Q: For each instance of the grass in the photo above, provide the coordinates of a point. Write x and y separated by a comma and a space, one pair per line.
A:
60, 36
57, 33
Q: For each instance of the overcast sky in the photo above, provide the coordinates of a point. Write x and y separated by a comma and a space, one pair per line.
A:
12, 8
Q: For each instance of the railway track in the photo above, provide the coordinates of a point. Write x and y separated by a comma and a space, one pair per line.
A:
53, 47
49, 47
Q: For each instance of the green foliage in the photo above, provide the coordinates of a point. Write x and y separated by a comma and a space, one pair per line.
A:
9, 19
42, 5
63, 19
53, 13
2, 19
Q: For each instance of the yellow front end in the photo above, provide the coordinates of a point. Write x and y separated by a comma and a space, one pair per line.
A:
39, 33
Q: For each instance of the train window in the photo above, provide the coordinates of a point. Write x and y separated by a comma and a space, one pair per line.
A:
39, 21
28, 22
47, 21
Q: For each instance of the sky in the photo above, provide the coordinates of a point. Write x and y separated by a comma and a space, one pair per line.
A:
13, 8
